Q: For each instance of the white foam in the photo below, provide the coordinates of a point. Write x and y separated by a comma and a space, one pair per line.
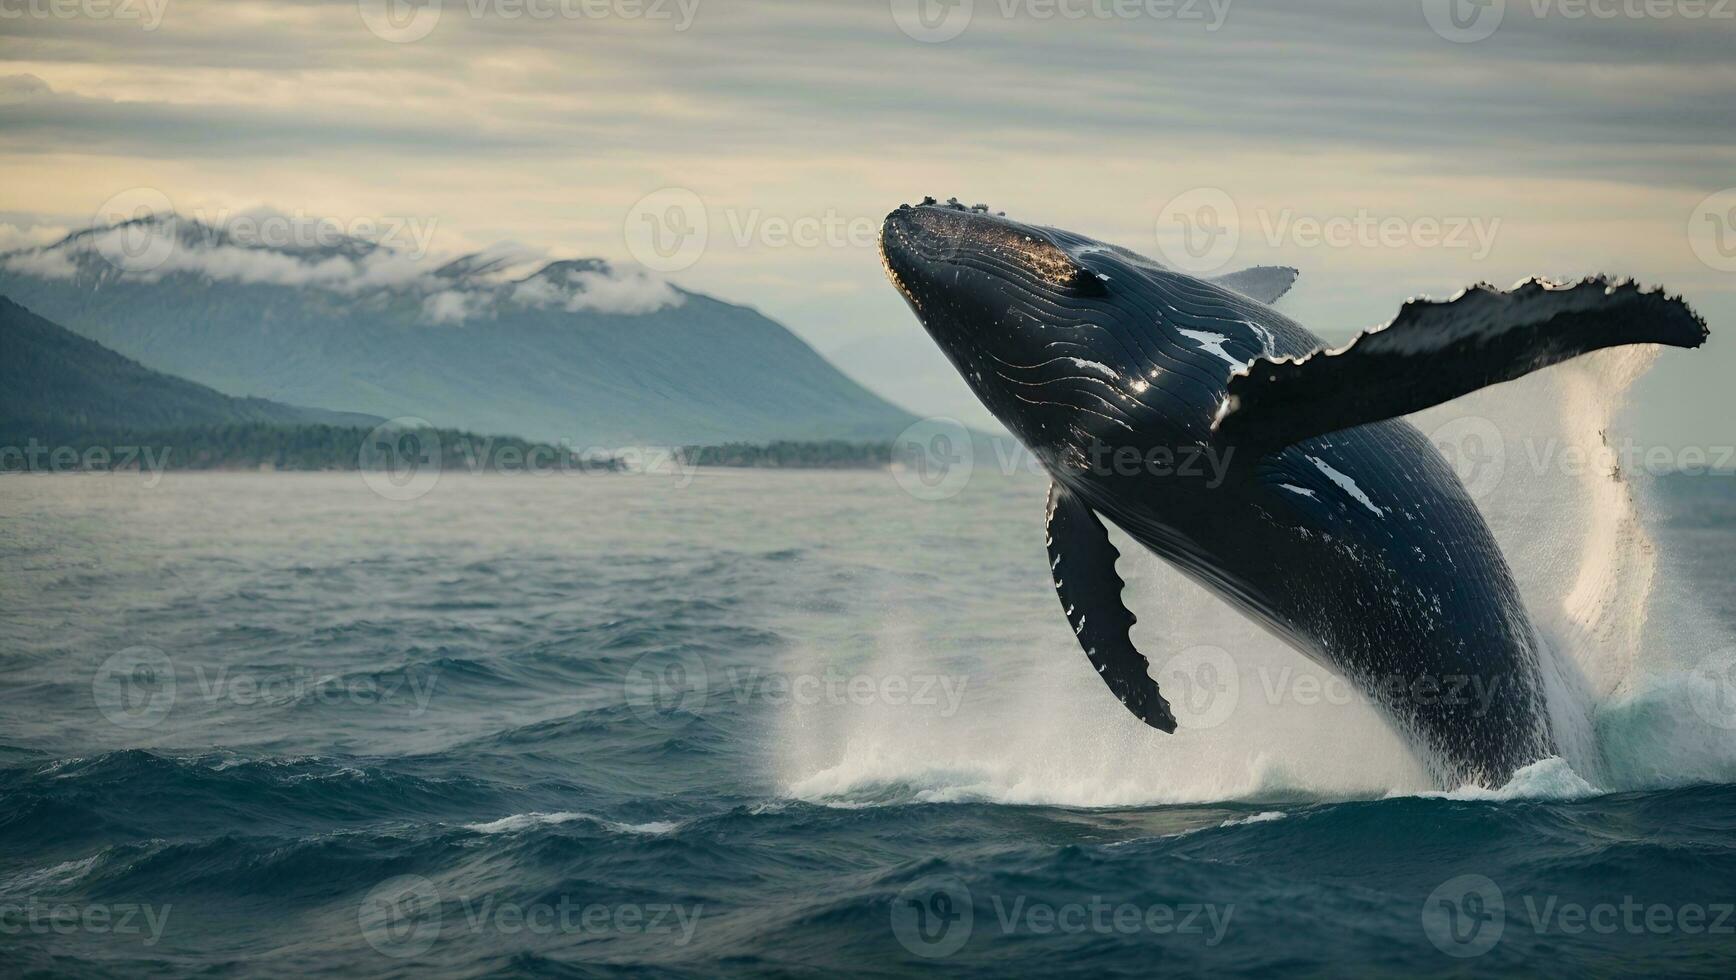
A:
1545, 779
1623, 645
519, 822
1266, 817
54, 876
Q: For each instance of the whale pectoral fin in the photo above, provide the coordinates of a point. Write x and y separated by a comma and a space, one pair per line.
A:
1263, 283
1082, 564
1433, 352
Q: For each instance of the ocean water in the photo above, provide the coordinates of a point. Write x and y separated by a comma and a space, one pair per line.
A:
797, 724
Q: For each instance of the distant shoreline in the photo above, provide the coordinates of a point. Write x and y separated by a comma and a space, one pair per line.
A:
262, 447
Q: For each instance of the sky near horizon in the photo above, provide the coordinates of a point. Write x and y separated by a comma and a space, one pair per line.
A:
749, 148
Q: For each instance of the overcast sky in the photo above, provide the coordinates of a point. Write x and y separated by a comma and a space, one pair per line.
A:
1387, 149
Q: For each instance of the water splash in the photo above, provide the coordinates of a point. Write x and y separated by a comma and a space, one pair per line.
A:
1620, 682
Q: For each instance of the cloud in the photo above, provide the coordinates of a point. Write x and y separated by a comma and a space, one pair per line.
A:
452, 306
597, 289
150, 251
464, 289
26, 235
42, 263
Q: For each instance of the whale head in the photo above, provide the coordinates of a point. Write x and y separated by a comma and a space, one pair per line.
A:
1026, 315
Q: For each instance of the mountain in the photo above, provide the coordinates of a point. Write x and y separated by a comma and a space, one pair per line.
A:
54, 379
68, 403
576, 351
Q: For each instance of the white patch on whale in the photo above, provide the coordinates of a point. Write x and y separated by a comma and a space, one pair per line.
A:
1213, 343
1346, 484
1085, 365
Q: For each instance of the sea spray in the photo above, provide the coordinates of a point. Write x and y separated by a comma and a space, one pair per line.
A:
1039, 732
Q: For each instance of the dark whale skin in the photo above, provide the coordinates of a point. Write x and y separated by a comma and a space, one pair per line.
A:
1359, 548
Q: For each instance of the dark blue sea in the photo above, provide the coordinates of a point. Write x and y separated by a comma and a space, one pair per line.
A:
803, 724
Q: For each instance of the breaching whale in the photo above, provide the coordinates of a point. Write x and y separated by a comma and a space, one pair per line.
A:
1338, 526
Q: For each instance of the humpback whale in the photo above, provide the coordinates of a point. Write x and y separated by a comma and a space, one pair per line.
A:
1338, 527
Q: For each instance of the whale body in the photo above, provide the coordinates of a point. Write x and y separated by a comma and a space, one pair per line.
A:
1332, 522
